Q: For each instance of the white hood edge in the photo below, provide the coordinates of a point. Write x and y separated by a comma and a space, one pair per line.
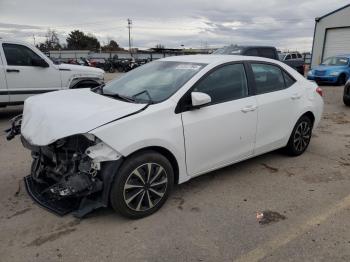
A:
55, 115
81, 69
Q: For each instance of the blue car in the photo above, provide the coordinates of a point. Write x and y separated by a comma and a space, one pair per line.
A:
333, 70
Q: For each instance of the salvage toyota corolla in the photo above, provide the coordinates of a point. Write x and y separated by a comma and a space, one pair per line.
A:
127, 143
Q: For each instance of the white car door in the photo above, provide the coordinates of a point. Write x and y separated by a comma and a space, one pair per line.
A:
25, 75
222, 132
278, 96
4, 97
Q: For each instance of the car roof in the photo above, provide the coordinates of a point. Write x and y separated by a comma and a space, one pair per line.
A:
214, 59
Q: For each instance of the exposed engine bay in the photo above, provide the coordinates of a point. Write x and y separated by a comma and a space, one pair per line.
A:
65, 168
65, 175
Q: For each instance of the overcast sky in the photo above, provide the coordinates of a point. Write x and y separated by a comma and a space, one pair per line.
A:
192, 23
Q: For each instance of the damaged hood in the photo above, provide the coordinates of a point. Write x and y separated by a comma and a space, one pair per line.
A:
55, 115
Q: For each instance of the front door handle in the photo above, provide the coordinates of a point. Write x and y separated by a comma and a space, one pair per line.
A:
12, 70
248, 109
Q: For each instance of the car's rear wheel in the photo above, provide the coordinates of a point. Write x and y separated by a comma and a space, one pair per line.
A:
142, 185
300, 137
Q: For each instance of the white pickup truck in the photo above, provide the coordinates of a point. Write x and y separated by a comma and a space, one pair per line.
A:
25, 71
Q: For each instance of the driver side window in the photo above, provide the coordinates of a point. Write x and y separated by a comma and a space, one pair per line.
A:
226, 83
19, 55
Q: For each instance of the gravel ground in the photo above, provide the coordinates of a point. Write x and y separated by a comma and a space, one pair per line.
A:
210, 218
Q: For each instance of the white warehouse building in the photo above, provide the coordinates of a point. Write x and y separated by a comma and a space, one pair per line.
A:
331, 35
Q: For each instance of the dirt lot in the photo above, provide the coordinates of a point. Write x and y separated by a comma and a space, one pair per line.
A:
210, 218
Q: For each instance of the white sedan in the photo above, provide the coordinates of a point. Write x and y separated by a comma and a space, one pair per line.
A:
127, 143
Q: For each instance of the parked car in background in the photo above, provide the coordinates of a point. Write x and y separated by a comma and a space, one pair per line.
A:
262, 51
333, 70
26, 71
127, 143
293, 59
346, 95
102, 63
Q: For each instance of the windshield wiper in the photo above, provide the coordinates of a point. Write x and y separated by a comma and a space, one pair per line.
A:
150, 101
98, 88
121, 97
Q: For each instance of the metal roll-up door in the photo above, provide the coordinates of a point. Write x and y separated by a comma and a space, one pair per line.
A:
337, 42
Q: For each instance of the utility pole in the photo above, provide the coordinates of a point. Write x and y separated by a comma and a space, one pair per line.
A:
34, 39
129, 27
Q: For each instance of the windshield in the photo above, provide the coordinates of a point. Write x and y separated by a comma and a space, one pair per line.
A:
228, 50
153, 82
336, 61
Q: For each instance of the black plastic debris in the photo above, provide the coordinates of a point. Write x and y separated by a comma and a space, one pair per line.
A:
268, 216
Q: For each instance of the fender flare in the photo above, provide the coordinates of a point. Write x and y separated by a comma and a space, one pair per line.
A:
78, 80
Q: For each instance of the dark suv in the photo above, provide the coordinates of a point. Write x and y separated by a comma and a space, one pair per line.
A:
262, 51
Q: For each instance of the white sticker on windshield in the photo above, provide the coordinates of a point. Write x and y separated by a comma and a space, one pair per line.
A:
187, 67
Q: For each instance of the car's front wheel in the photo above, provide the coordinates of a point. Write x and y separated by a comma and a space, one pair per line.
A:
341, 80
346, 101
300, 137
142, 185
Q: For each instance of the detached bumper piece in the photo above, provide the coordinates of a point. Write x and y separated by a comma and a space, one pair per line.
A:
59, 207
15, 128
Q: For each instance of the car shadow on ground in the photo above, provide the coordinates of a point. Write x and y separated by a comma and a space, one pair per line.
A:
182, 192
7, 113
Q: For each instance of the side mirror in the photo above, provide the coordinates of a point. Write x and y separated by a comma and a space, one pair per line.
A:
39, 62
200, 99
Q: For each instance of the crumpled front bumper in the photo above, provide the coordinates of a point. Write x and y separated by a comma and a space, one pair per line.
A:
58, 206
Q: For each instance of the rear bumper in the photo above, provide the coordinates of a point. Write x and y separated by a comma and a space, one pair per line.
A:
323, 79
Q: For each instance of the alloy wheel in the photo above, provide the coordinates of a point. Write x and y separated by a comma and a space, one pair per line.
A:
145, 187
302, 136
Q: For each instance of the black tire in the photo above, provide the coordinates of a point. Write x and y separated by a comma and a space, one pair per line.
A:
346, 101
341, 80
111, 69
135, 197
300, 138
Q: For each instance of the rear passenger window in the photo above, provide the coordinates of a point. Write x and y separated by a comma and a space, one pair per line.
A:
299, 56
268, 78
226, 83
294, 56
289, 81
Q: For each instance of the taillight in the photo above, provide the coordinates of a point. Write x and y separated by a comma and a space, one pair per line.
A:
319, 91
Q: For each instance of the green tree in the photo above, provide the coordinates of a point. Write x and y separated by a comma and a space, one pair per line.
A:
112, 46
52, 42
79, 40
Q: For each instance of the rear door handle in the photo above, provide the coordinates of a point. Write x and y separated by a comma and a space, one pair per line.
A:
296, 96
248, 109
12, 70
